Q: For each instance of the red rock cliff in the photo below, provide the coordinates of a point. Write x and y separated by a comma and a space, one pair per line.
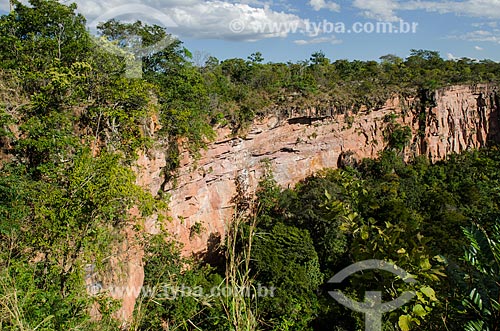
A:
450, 120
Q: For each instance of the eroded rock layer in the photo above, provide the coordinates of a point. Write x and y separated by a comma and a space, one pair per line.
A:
449, 121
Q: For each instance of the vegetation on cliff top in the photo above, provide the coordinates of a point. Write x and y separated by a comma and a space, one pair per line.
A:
71, 124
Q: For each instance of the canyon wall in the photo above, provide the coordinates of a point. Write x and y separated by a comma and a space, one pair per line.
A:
450, 120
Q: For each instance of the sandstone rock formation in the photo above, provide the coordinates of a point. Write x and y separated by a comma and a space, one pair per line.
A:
452, 120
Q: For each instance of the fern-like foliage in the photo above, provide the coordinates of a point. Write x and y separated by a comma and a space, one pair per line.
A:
483, 256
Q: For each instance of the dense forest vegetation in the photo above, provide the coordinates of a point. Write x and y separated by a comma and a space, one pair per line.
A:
71, 124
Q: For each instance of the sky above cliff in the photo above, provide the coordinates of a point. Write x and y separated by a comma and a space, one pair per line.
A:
292, 30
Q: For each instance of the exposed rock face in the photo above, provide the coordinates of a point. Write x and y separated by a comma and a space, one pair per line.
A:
125, 274
464, 118
450, 121
128, 276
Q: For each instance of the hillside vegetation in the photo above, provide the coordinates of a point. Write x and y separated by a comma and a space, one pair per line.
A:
72, 123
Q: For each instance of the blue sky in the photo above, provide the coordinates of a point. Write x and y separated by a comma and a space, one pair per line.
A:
292, 30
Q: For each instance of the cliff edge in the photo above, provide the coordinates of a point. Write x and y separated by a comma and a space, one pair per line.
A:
450, 120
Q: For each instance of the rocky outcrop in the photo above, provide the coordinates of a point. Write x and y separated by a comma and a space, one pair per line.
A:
202, 193
124, 276
450, 120
127, 277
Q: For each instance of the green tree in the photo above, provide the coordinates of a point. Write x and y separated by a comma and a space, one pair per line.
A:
256, 58
42, 35
285, 258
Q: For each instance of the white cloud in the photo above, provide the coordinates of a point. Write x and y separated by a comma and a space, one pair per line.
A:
321, 40
222, 20
94, 8
481, 36
478, 48
248, 20
383, 10
485, 24
387, 10
255, 2
475, 8
451, 56
322, 4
